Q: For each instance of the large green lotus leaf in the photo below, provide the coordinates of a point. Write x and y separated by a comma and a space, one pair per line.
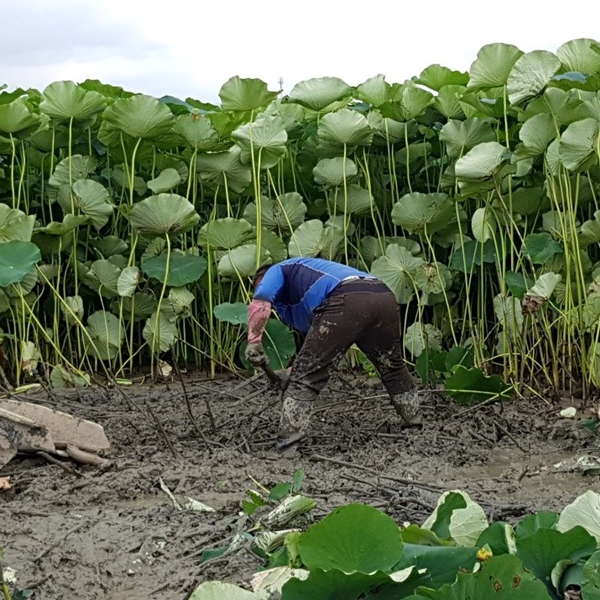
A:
93, 200
545, 285
419, 337
499, 578
433, 278
484, 224
166, 180
332, 172
332, 241
140, 116
26, 285
284, 213
241, 261
292, 115
584, 511
531, 523
263, 141
179, 302
529, 201
472, 385
225, 233
540, 247
245, 94
509, 314
493, 65
73, 309
69, 223
198, 132
531, 74
481, 162
163, 214
71, 169
109, 245
61, 378
103, 277
566, 106
414, 100
117, 175
216, 590
128, 281
278, 343
18, 116
105, 335
345, 127
15, 225
462, 136
274, 245
436, 77
578, 143
225, 168
319, 92
17, 258
580, 55
500, 537
232, 312
375, 90
182, 268
139, 307
472, 254
388, 130
447, 101
397, 269
352, 538
66, 100
354, 200
424, 213
371, 248
590, 582
336, 585
306, 239
542, 550
537, 132
590, 231
160, 331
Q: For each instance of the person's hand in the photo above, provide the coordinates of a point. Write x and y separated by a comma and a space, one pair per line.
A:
255, 355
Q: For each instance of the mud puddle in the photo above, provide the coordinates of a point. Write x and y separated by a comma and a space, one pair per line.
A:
113, 533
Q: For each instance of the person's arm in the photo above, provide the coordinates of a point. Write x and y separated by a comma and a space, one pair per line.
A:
259, 312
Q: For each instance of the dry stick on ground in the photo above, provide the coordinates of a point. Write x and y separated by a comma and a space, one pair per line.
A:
58, 463
511, 436
209, 412
426, 486
189, 406
60, 540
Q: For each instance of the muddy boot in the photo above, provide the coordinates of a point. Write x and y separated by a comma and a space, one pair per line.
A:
293, 425
407, 406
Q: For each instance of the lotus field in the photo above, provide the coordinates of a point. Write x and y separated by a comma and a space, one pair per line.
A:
129, 225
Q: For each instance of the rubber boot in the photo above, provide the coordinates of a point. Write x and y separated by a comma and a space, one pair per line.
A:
407, 406
293, 425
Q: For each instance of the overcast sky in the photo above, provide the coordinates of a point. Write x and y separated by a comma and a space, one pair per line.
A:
189, 48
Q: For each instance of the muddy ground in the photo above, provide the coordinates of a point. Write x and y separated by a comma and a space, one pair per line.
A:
113, 533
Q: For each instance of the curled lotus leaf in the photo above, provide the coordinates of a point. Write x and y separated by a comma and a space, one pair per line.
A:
166, 180
225, 168
332, 172
245, 94
346, 128
241, 261
93, 200
198, 132
128, 281
530, 74
424, 213
462, 136
17, 117
139, 116
105, 335
72, 169
15, 225
262, 142
17, 259
398, 269
160, 332
353, 200
225, 233
318, 93
163, 214
493, 66
284, 213
64, 100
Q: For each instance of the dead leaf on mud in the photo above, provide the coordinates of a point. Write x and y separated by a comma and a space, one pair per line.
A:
532, 303
5, 483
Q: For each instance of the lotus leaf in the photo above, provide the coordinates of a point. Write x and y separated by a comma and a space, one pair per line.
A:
183, 269
493, 66
93, 200
242, 261
580, 55
73, 309
103, 276
232, 312
577, 146
17, 258
23, 287
424, 213
163, 214
353, 200
179, 301
109, 245
128, 281
18, 117
273, 245
262, 142
584, 511
215, 590
71, 169
540, 247
69, 223
139, 116
61, 377
226, 233
419, 337
284, 213
239, 94
346, 128
433, 278
166, 180
137, 308
64, 100
375, 90
436, 77
481, 162
15, 225
370, 249
509, 314
279, 344
105, 335
398, 269
160, 331
332, 172
484, 225
447, 101
462, 136
306, 239
225, 168
198, 132
466, 385
318, 93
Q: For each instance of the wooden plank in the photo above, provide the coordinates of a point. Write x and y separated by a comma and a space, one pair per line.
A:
24, 433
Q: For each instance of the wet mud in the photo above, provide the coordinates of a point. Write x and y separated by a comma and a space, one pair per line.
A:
113, 533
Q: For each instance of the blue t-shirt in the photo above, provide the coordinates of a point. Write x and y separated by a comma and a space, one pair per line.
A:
297, 286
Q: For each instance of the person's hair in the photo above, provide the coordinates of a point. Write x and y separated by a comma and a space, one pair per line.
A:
259, 273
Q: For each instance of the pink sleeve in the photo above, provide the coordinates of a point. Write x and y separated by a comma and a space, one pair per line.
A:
259, 312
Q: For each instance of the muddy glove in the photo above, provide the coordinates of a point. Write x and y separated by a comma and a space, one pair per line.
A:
255, 355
